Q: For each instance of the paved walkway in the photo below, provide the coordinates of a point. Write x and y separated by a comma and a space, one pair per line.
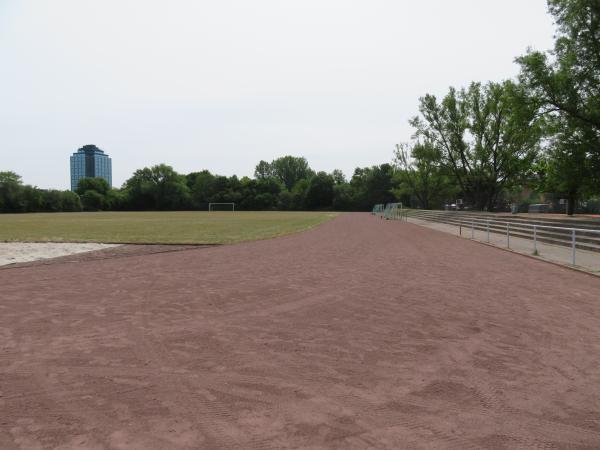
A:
586, 260
361, 333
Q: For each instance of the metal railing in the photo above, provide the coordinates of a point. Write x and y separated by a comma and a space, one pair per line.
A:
572, 231
569, 235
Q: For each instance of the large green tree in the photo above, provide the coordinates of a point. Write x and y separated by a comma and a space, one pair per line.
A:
422, 174
263, 169
488, 136
569, 169
320, 191
289, 170
56, 201
565, 85
93, 192
97, 184
259, 194
338, 177
372, 185
158, 187
568, 79
11, 188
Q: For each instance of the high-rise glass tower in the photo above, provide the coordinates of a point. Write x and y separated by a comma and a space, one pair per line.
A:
90, 161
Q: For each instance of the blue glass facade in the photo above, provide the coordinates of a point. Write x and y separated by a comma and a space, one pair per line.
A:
90, 161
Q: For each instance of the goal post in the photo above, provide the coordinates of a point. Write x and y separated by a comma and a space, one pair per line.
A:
221, 206
378, 209
392, 211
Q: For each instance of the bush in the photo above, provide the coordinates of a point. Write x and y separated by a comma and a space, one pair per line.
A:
92, 201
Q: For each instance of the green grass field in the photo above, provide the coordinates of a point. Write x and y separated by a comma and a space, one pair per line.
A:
178, 227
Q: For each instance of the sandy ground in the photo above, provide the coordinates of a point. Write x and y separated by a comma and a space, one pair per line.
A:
361, 333
18, 252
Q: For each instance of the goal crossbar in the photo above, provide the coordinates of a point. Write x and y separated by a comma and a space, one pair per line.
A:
210, 205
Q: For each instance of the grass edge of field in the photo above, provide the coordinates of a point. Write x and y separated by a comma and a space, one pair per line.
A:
326, 217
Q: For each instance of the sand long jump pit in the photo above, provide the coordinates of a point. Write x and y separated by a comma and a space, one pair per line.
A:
23, 252
359, 333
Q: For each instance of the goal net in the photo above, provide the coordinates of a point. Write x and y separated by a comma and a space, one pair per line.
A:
378, 209
392, 211
221, 206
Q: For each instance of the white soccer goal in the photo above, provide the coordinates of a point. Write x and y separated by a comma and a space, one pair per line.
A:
221, 206
392, 211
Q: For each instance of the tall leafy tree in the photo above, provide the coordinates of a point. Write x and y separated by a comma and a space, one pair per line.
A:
568, 79
565, 86
97, 184
157, 187
93, 192
320, 191
263, 170
56, 201
290, 169
344, 198
11, 188
33, 199
299, 193
569, 168
338, 176
488, 135
259, 194
70, 201
422, 174
373, 185
93, 201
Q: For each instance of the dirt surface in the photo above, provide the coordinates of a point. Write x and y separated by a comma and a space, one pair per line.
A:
361, 333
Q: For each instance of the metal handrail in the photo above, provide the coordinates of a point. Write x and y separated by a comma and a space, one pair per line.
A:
514, 218
518, 224
535, 227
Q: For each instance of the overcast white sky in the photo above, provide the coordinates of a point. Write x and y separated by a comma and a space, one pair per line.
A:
222, 84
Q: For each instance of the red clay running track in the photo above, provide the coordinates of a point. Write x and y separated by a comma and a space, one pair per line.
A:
360, 333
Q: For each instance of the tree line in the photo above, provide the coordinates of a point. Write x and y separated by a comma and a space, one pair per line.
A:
508, 142
532, 139
286, 183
